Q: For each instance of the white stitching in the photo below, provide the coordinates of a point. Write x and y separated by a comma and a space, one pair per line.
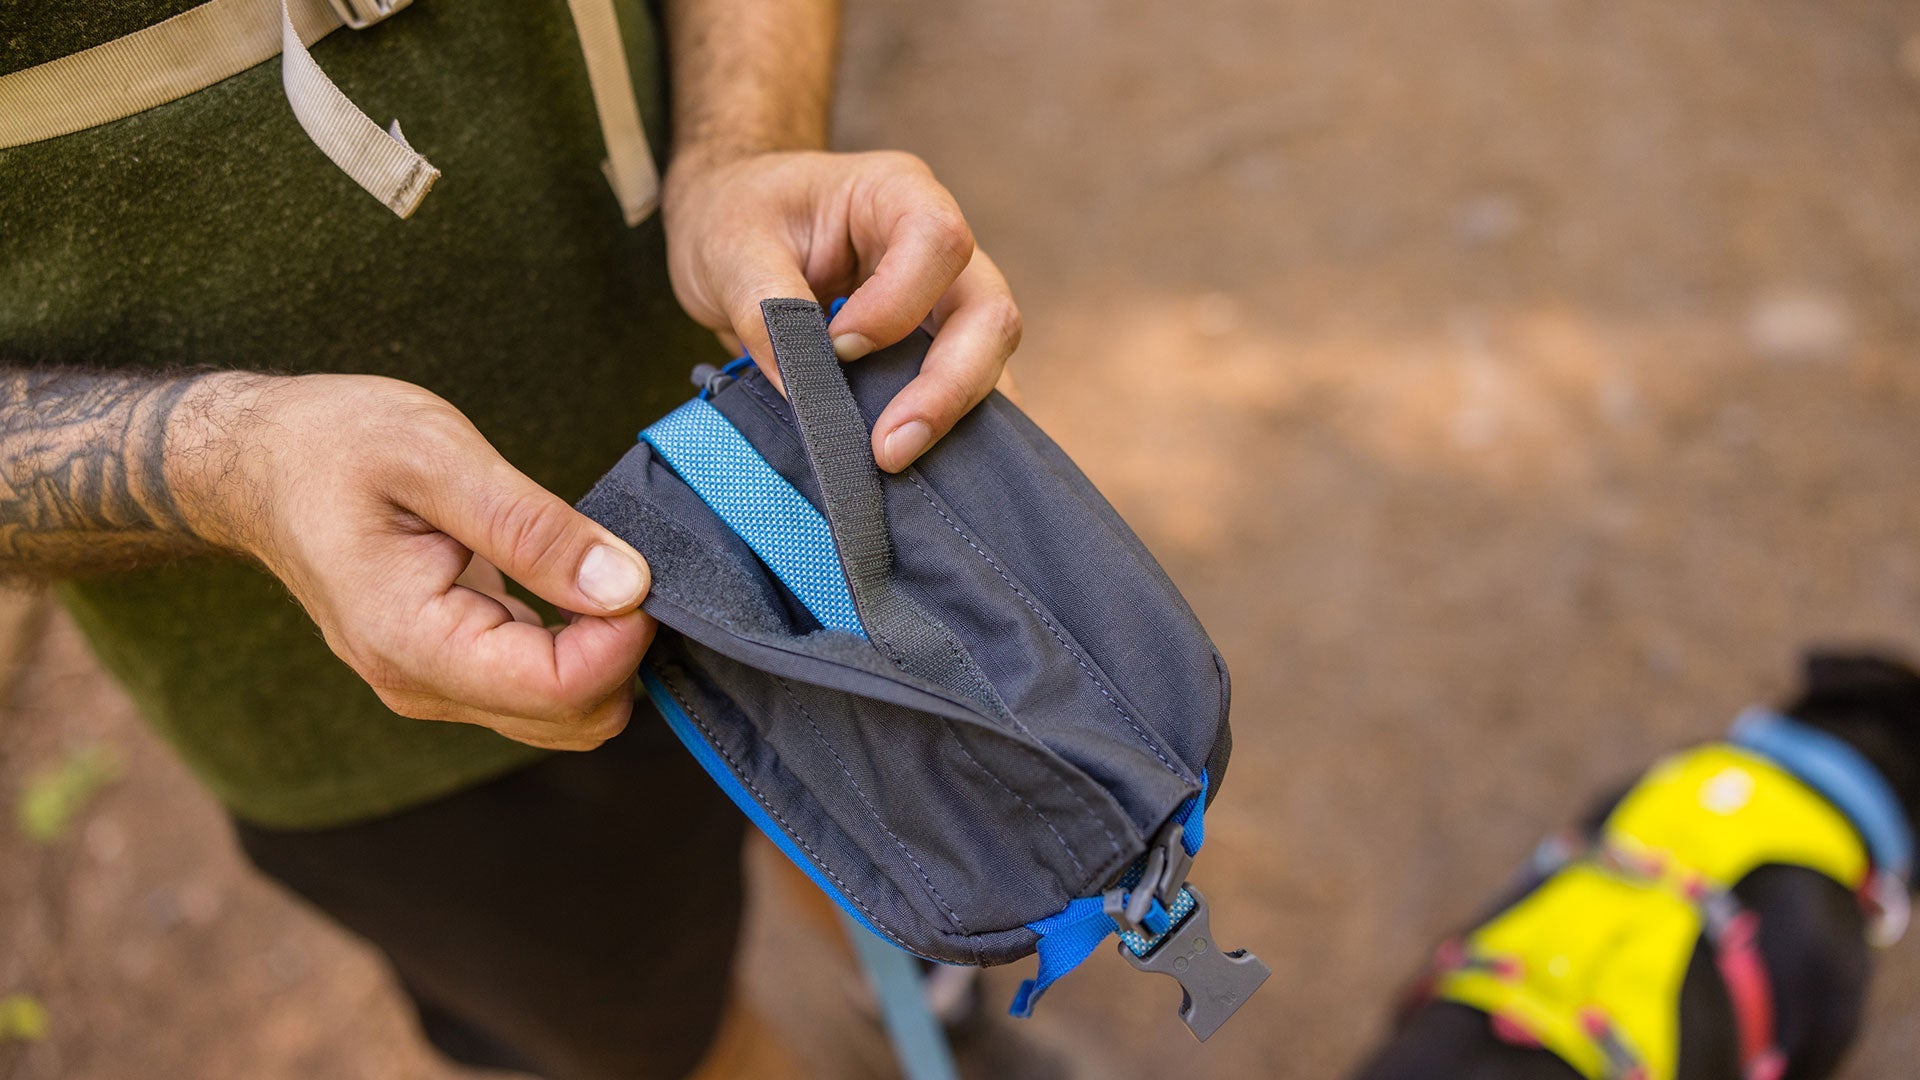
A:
1057, 636
902, 844
1068, 848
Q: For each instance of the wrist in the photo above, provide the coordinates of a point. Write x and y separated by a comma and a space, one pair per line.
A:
216, 459
695, 166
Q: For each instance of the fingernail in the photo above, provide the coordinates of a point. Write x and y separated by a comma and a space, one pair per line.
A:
851, 346
907, 442
611, 577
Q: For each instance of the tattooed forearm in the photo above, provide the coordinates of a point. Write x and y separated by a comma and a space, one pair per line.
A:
83, 471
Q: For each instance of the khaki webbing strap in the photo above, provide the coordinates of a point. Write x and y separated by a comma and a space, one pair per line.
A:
629, 165
165, 62
221, 38
377, 160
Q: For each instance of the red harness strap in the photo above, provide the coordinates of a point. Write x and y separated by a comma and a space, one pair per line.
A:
1736, 952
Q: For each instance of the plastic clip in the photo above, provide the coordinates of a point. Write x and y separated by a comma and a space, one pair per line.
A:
1161, 876
1213, 984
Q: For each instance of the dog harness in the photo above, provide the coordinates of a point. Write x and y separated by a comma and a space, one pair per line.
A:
1589, 963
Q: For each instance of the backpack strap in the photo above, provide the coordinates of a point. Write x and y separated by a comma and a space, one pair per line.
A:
379, 160
222, 38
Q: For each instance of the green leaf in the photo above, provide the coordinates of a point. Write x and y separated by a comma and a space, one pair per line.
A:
22, 1018
54, 796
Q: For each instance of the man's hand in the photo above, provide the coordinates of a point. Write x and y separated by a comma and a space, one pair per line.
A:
877, 228
385, 512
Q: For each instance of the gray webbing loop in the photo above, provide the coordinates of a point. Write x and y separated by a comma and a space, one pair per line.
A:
837, 444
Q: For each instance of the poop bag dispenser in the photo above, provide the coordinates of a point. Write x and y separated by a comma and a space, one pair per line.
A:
964, 699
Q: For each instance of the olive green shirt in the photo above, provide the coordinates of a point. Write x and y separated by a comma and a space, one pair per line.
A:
210, 232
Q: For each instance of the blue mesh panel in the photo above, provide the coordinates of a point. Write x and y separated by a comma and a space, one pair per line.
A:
758, 504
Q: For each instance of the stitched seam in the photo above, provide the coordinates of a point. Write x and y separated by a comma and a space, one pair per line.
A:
952, 916
861, 606
1067, 780
1068, 848
714, 741
1057, 636
764, 400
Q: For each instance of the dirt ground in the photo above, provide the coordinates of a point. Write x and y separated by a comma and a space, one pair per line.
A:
1514, 387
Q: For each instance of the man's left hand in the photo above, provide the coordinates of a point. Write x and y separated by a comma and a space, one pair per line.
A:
874, 227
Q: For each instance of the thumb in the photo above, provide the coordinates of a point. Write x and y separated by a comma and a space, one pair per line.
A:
535, 538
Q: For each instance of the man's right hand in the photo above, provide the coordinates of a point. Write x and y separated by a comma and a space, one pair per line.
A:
385, 512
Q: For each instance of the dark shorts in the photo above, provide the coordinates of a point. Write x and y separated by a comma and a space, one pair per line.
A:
575, 919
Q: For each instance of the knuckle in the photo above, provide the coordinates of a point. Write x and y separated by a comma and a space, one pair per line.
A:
380, 663
952, 238
1005, 322
950, 398
528, 530
609, 722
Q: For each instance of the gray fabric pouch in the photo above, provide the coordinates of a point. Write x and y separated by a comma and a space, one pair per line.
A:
964, 699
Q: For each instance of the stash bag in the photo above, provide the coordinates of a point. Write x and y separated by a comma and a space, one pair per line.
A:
964, 699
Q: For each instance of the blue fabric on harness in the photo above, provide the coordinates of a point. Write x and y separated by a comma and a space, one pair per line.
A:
1069, 937
1837, 771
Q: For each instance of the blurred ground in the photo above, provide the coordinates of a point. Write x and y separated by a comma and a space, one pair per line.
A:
1513, 387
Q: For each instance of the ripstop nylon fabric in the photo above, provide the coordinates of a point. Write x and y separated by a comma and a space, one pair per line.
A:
948, 824
765, 511
1068, 938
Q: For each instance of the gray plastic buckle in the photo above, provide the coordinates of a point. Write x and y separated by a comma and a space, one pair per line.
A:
1161, 877
1171, 839
1213, 984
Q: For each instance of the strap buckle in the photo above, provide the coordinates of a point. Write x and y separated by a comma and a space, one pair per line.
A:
360, 14
1161, 877
1213, 983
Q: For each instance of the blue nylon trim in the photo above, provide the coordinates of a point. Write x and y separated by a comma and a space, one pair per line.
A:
1066, 939
1837, 771
709, 758
1157, 920
1192, 817
758, 504
1069, 936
